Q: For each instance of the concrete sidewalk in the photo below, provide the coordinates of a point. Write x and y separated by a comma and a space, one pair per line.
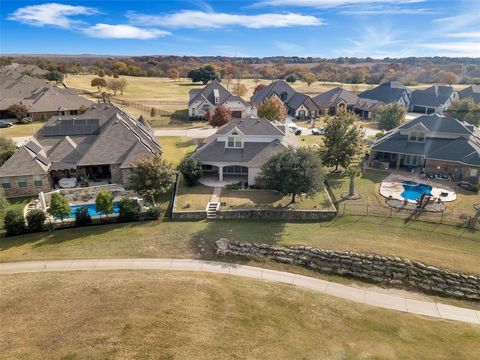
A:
363, 296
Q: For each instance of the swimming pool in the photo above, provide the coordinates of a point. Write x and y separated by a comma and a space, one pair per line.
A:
92, 209
414, 191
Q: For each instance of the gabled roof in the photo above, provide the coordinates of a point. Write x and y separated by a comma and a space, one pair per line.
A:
368, 104
298, 99
439, 123
251, 126
334, 96
277, 87
388, 92
434, 96
23, 163
212, 90
471, 92
36, 95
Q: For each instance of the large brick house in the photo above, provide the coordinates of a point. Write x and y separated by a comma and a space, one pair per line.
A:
299, 106
437, 144
41, 99
211, 97
389, 92
100, 144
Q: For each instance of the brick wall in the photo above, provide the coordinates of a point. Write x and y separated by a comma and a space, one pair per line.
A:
30, 189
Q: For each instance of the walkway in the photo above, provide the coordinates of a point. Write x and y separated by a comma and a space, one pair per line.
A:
359, 295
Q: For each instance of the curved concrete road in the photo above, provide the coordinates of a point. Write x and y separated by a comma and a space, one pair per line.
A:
363, 296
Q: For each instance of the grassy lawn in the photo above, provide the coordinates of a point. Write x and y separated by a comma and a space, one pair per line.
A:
20, 130
176, 147
150, 314
15, 203
192, 198
265, 199
444, 246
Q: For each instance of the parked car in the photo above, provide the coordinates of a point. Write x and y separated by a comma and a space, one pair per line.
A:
318, 131
296, 130
5, 124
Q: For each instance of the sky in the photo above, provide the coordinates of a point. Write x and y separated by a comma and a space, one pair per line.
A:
256, 28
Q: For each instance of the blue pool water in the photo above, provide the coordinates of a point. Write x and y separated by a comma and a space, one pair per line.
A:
414, 191
92, 210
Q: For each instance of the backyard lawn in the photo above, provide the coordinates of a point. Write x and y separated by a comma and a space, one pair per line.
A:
19, 130
268, 199
176, 147
179, 315
192, 197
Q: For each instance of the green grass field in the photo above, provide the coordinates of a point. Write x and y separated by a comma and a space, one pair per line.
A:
164, 315
19, 130
439, 245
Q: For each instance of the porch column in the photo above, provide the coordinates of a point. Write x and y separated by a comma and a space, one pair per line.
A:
398, 161
220, 173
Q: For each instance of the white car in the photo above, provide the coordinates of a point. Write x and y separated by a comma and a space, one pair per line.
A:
296, 130
318, 131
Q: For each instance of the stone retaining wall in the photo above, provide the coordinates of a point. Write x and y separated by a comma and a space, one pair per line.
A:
384, 270
277, 214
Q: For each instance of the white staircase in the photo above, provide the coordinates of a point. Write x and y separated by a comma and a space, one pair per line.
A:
212, 208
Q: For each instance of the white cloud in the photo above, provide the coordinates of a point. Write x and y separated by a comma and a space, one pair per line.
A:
205, 20
374, 42
330, 3
52, 14
465, 35
467, 49
387, 11
123, 32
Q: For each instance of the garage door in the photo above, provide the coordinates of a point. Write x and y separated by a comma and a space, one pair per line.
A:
236, 114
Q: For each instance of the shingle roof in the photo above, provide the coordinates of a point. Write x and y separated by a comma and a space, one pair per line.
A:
210, 90
434, 96
439, 123
253, 153
36, 95
277, 87
251, 126
388, 92
471, 92
121, 140
334, 97
298, 99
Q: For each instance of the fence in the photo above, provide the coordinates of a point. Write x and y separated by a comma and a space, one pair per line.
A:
471, 221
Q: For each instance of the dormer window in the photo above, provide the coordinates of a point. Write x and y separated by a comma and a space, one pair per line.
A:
216, 96
283, 96
234, 141
417, 136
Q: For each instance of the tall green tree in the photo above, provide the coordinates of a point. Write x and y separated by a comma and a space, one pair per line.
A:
55, 75
7, 149
59, 207
151, 176
204, 74
104, 201
191, 170
18, 110
293, 172
272, 109
309, 78
390, 116
342, 141
3, 202
465, 110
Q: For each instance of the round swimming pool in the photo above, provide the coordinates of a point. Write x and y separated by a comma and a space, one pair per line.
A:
414, 191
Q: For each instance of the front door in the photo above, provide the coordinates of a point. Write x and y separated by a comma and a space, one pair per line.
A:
301, 114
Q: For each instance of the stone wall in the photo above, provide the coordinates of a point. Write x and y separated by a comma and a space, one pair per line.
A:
30, 189
277, 214
383, 270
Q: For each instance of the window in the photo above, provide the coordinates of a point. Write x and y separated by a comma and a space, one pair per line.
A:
418, 136
37, 180
21, 182
193, 111
473, 172
234, 141
6, 183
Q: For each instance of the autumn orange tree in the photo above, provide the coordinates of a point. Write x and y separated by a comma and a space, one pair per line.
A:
221, 117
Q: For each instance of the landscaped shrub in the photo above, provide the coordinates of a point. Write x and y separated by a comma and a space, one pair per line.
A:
25, 120
128, 210
191, 170
35, 220
153, 212
14, 222
236, 186
82, 217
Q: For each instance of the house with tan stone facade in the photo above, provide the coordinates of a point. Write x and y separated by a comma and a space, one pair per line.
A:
435, 144
97, 147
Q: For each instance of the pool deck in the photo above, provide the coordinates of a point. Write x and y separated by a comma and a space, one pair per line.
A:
392, 187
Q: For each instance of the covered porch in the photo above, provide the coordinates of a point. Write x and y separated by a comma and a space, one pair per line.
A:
66, 175
218, 175
387, 160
